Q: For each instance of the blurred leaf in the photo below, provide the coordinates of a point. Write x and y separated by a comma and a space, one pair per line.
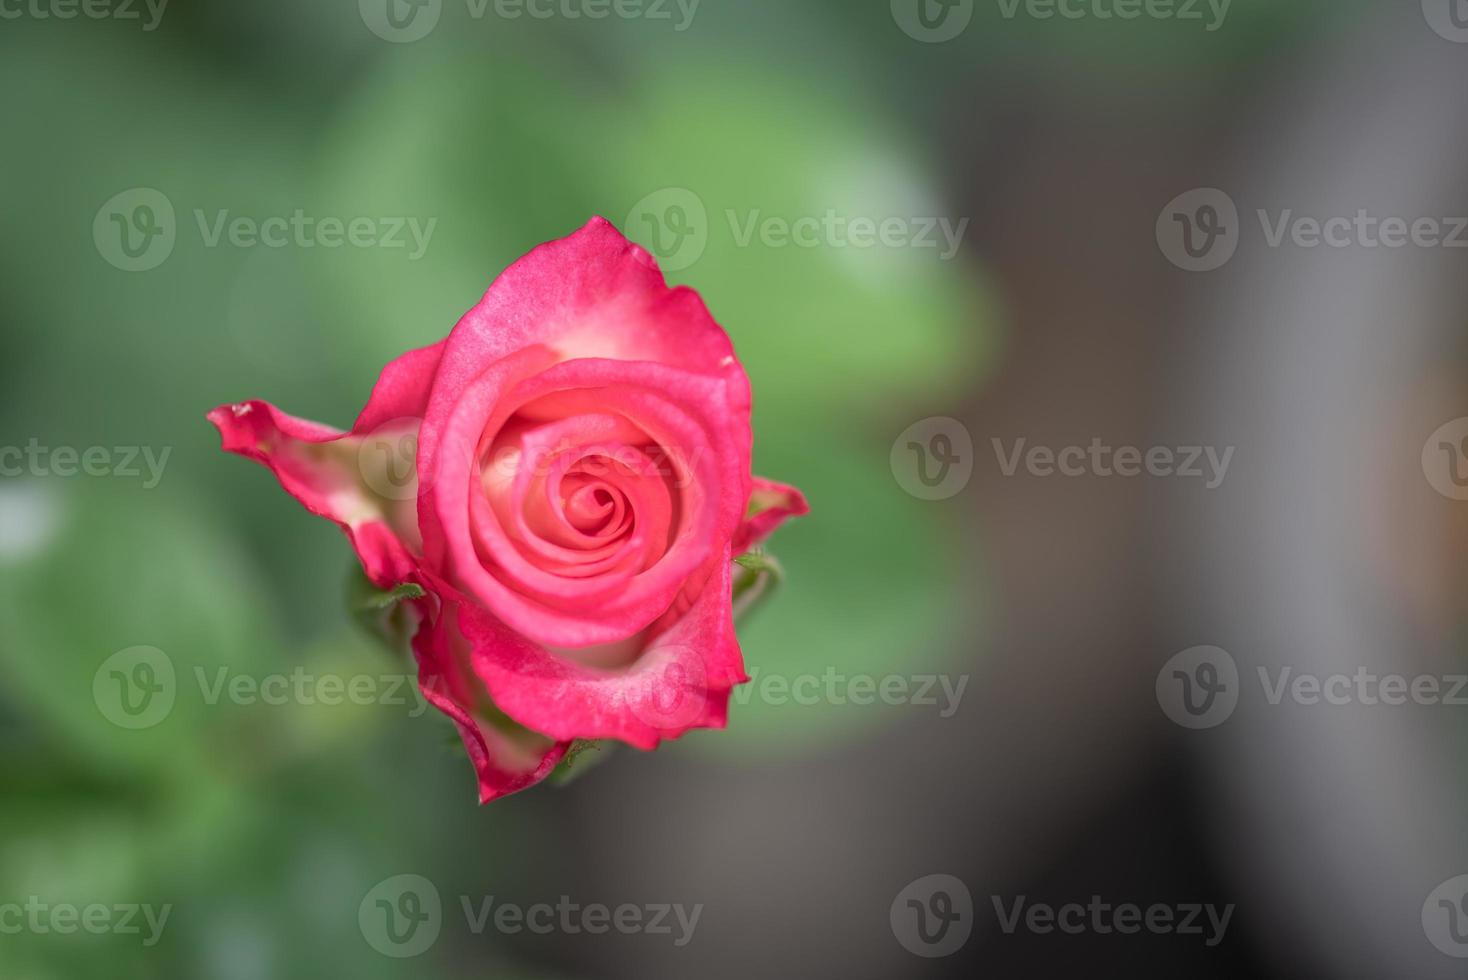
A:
758, 576
817, 327
490, 149
213, 322
502, 171
111, 570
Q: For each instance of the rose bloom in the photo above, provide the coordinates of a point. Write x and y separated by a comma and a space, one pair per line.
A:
567, 478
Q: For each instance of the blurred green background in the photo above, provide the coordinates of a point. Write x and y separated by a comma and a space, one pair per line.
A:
263, 825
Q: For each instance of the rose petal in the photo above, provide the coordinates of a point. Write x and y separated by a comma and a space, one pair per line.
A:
676, 408
575, 603
680, 682
505, 761
593, 294
323, 467
532, 511
770, 504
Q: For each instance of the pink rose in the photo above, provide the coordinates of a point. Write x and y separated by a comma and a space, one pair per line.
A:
567, 477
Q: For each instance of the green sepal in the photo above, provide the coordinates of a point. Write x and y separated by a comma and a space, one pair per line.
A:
383, 613
385, 600
755, 579
577, 760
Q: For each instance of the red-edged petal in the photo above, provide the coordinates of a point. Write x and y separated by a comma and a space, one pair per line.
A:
770, 503
334, 476
593, 294
681, 681
506, 759
680, 410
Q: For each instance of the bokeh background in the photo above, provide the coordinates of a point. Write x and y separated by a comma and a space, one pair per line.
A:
1059, 319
